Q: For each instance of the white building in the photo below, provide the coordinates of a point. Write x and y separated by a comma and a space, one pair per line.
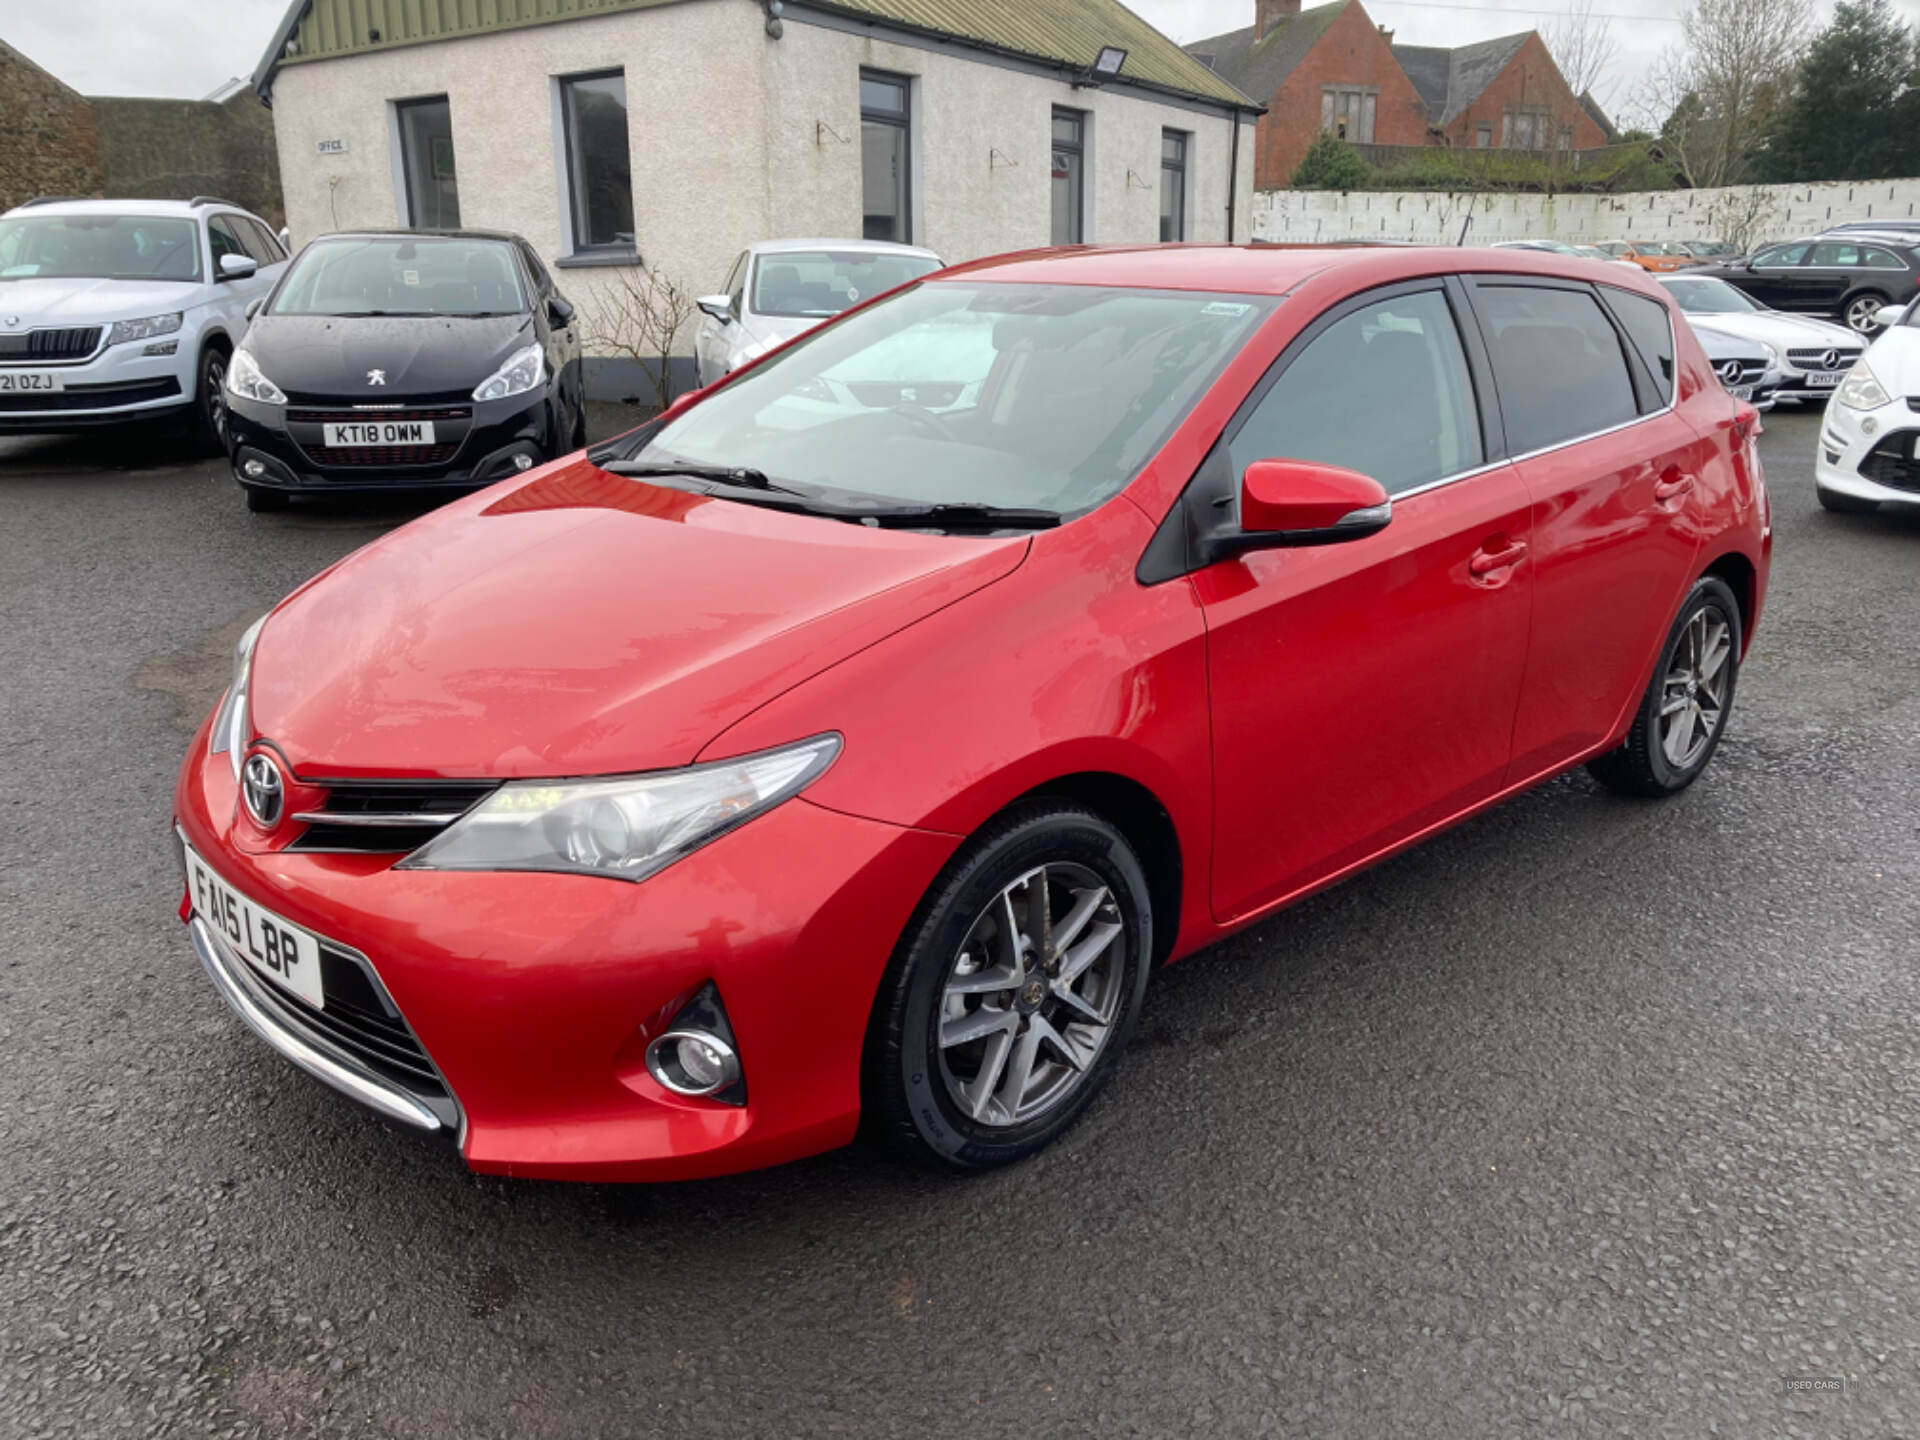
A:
673, 133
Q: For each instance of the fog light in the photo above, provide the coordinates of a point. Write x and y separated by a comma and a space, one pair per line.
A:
253, 469
523, 461
693, 1062
164, 347
1870, 426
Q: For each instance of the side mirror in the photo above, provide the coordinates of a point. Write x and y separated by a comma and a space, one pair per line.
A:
720, 307
1888, 316
559, 312
237, 267
1298, 502
253, 307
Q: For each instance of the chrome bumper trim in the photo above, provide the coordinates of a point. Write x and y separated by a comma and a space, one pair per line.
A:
236, 988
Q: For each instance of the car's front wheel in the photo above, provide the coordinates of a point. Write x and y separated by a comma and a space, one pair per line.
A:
209, 427
1685, 710
1013, 992
1862, 313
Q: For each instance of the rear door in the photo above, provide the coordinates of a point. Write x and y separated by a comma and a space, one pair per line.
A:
1365, 691
1586, 396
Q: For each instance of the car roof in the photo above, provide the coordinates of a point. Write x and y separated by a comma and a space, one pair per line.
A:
185, 209
505, 236
868, 247
1266, 269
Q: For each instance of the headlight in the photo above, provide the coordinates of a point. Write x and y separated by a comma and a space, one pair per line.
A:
1861, 390
524, 370
625, 829
245, 380
1775, 360
230, 732
124, 330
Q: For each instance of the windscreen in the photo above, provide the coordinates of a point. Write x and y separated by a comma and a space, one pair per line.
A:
1039, 396
99, 247
818, 283
1710, 297
402, 275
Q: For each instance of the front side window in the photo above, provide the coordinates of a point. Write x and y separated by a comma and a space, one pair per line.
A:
426, 160
402, 275
815, 284
1328, 406
99, 247
1069, 176
1780, 255
886, 188
224, 240
599, 171
1173, 185
1039, 396
1558, 363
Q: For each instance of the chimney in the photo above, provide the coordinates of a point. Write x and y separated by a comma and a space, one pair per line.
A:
1269, 13
1385, 34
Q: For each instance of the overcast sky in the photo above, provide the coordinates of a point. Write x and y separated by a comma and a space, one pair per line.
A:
187, 47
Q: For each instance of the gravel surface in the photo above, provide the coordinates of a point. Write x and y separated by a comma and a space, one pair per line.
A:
1589, 1117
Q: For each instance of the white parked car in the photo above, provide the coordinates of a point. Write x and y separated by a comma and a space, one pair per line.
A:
1866, 454
1563, 247
118, 310
1811, 355
1744, 367
783, 288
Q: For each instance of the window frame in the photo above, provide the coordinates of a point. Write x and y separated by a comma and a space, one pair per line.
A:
575, 218
1183, 230
221, 222
902, 121
1076, 146
400, 109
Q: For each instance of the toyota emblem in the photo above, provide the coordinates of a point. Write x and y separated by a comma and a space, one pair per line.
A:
1730, 372
263, 791
1831, 360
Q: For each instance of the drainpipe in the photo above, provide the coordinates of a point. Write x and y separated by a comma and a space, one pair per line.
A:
1233, 174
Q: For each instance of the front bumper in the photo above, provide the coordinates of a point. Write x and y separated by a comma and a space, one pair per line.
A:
1883, 466
115, 385
476, 443
536, 995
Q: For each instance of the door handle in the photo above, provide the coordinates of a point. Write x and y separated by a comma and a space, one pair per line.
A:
1673, 487
1486, 562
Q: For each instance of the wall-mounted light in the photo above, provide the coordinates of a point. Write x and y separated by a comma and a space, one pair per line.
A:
774, 26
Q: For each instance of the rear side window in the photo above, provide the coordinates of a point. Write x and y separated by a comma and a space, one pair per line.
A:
1384, 391
1558, 363
1650, 326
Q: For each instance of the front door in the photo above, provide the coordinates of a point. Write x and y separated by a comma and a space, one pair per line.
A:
714, 340
1365, 691
1586, 393
1776, 277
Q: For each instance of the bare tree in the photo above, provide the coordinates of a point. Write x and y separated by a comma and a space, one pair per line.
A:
1740, 217
638, 316
1711, 99
1582, 44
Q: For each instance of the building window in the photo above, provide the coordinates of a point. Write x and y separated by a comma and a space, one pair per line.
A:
1526, 130
1069, 176
1173, 185
1348, 113
1483, 137
426, 163
593, 110
886, 169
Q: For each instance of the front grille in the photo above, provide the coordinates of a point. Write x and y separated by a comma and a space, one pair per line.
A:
393, 456
90, 397
361, 416
377, 818
372, 401
72, 344
1751, 373
1893, 462
1817, 359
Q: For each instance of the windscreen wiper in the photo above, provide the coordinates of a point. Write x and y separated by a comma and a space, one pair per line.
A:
739, 476
958, 516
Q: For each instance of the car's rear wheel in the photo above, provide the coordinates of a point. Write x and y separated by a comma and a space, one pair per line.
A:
1687, 705
578, 439
209, 428
1860, 312
1013, 992
1838, 504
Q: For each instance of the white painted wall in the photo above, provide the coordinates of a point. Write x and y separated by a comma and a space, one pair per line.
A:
736, 137
1777, 212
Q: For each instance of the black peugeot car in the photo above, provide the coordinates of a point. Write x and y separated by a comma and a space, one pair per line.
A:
391, 360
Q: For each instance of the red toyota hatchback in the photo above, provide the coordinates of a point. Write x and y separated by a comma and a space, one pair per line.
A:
850, 743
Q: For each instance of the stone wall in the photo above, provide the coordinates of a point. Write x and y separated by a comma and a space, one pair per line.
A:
1743, 215
47, 140
177, 149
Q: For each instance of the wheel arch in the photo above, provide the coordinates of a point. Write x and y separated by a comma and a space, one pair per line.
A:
1743, 578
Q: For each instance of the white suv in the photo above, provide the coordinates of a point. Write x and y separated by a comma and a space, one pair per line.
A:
118, 310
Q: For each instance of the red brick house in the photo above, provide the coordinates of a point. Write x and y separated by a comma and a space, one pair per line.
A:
1331, 69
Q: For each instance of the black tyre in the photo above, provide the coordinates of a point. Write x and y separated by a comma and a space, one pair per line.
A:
262, 502
1857, 312
1838, 504
1687, 703
578, 439
1012, 993
208, 428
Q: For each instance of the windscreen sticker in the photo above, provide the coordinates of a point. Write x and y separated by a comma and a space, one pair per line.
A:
410, 277
1221, 307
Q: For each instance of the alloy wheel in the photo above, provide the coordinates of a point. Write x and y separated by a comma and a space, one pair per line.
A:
1861, 312
1032, 997
215, 383
1694, 698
